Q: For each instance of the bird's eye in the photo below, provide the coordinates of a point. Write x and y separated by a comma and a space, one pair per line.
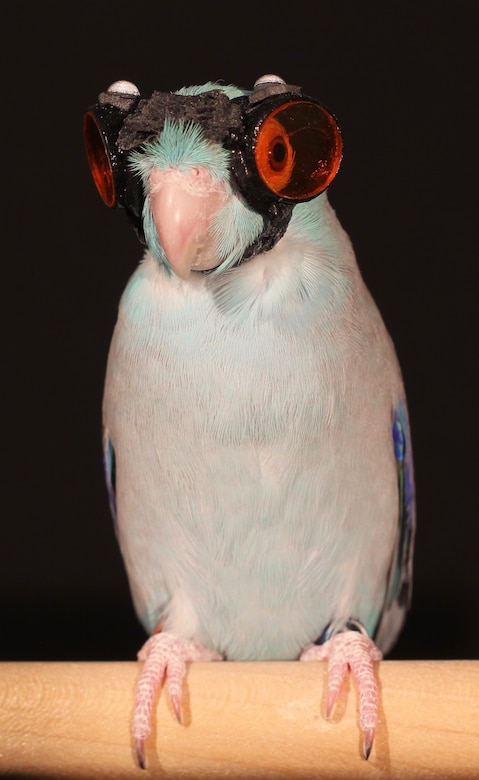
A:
298, 150
274, 155
278, 154
99, 159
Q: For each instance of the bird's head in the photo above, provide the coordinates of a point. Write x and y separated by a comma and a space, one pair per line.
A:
210, 174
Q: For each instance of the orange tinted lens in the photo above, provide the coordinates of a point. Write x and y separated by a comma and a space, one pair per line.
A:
99, 160
298, 150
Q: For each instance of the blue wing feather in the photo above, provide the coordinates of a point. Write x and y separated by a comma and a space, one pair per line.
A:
109, 466
399, 589
401, 573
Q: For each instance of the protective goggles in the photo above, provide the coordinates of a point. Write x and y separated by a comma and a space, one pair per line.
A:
284, 147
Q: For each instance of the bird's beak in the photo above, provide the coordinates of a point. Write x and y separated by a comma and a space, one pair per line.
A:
183, 207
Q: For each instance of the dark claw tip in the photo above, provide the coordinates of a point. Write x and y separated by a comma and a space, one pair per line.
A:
176, 704
140, 753
368, 743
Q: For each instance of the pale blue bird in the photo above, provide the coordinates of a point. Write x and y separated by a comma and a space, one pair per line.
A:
257, 445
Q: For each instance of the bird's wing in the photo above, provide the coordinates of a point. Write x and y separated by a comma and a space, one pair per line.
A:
110, 473
398, 593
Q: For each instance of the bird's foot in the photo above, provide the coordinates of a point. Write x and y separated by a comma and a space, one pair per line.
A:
165, 657
355, 651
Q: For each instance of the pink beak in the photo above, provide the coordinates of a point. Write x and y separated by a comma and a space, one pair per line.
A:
184, 207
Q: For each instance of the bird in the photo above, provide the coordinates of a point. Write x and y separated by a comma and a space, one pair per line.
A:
256, 437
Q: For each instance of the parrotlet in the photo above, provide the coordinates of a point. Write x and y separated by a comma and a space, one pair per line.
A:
256, 438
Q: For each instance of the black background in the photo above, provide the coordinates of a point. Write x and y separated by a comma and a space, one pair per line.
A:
400, 76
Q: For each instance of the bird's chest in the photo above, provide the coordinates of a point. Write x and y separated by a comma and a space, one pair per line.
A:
214, 380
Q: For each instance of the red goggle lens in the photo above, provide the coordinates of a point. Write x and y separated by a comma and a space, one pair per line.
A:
298, 150
99, 159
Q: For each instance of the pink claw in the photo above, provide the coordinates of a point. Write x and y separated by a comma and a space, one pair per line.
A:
355, 651
140, 753
164, 656
368, 742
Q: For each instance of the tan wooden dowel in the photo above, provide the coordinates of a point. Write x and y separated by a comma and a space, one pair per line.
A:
241, 720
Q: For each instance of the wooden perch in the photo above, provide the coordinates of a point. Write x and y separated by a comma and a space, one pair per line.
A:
248, 720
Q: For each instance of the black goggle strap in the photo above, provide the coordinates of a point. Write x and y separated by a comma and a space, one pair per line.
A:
274, 228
